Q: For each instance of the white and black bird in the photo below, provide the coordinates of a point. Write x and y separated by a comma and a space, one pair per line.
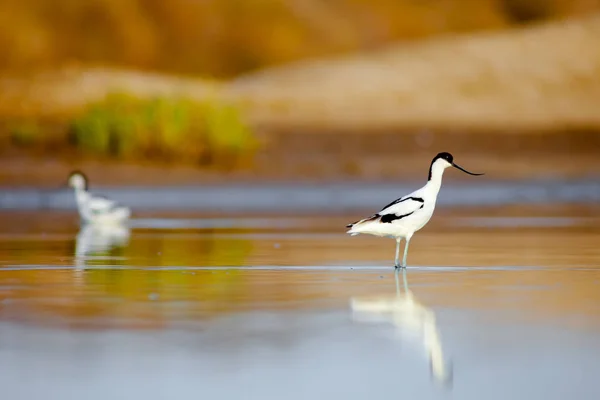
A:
403, 217
94, 208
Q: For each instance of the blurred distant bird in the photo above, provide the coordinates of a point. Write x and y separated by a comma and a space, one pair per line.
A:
95, 208
403, 217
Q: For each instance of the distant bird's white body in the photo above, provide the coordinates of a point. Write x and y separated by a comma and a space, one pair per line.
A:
96, 209
408, 214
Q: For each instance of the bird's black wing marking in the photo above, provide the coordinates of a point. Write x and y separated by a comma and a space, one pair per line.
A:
389, 218
400, 200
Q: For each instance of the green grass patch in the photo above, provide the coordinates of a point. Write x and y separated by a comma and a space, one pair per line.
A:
123, 126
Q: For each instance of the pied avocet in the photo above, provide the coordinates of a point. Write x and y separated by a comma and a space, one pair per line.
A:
403, 217
95, 208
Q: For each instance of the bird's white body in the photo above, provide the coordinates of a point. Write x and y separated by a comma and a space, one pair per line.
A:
96, 209
100, 209
408, 214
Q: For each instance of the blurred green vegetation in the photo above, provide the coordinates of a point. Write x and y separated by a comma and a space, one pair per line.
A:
25, 133
123, 126
224, 38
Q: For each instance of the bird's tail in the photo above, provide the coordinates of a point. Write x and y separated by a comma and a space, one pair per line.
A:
357, 227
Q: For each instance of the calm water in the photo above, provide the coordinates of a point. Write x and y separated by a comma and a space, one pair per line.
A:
497, 303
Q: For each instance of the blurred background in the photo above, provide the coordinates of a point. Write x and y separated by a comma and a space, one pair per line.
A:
191, 90
245, 135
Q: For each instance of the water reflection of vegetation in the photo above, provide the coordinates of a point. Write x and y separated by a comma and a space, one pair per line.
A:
111, 247
187, 250
153, 287
180, 292
127, 298
407, 314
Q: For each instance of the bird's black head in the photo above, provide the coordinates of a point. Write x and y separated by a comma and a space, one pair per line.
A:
78, 179
450, 160
440, 156
444, 156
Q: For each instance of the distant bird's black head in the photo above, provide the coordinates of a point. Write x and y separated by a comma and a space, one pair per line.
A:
77, 179
450, 160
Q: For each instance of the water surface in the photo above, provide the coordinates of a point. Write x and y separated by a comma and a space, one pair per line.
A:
497, 303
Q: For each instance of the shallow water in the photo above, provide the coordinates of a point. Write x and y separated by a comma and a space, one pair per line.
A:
312, 197
502, 303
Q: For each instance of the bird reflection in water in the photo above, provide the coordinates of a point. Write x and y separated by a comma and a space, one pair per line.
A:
97, 241
410, 316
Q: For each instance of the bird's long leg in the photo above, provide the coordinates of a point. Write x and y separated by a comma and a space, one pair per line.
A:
405, 281
405, 251
396, 272
397, 261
